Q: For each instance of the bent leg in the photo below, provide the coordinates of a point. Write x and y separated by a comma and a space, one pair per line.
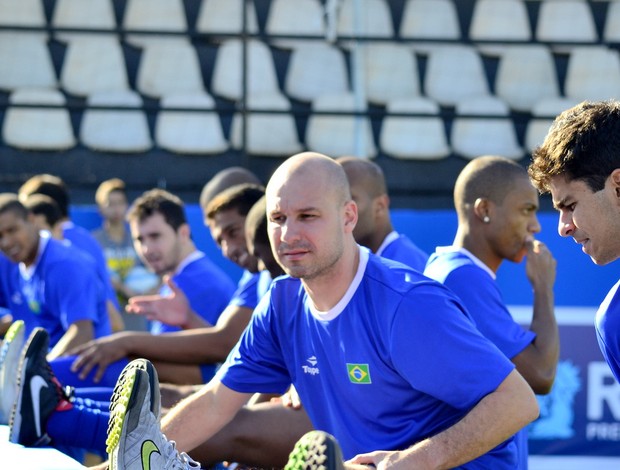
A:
180, 374
260, 435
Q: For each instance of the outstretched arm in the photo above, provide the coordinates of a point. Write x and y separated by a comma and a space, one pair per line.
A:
173, 309
201, 415
197, 346
494, 419
537, 363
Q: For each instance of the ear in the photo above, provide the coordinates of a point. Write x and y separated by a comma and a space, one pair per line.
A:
614, 178
482, 208
381, 203
350, 216
185, 231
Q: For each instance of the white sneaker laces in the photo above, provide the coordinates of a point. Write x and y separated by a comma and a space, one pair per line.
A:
175, 459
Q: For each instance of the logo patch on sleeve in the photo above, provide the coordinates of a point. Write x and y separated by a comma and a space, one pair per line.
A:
359, 373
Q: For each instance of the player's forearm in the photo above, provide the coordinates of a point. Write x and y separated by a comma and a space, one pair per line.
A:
195, 346
547, 342
77, 334
194, 321
200, 416
494, 419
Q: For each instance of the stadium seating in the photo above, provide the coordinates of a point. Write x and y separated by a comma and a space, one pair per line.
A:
421, 137
169, 66
182, 129
121, 129
93, 64
95, 15
492, 133
298, 18
526, 74
424, 21
261, 128
26, 61
228, 70
430, 71
163, 16
340, 134
315, 69
35, 128
225, 16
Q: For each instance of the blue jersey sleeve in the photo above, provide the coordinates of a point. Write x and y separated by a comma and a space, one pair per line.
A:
246, 294
608, 329
256, 363
433, 326
482, 298
73, 291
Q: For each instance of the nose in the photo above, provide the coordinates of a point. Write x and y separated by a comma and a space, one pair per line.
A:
535, 225
227, 249
566, 227
288, 232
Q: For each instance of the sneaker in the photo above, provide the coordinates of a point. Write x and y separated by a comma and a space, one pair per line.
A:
316, 450
10, 352
39, 393
135, 440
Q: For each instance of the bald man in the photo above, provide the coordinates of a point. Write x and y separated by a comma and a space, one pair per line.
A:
374, 225
374, 348
496, 206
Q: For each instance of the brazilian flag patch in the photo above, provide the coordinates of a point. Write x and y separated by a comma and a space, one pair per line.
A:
359, 373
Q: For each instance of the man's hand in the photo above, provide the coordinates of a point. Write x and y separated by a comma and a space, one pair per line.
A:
380, 459
172, 309
100, 353
540, 265
290, 399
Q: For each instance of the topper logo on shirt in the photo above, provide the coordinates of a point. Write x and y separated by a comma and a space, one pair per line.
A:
359, 373
311, 369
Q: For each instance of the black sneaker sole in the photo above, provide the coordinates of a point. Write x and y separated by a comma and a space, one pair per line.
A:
38, 340
316, 450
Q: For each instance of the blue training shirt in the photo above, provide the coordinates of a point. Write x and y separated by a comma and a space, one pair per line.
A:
474, 283
61, 288
84, 240
250, 289
395, 361
207, 288
399, 247
608, 329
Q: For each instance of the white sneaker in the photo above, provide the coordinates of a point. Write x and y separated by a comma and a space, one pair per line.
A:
135, 440
10, 353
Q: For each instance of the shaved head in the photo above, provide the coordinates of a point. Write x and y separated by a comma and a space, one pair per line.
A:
368, 175
486, 177
225, 179
311, 218
312, 167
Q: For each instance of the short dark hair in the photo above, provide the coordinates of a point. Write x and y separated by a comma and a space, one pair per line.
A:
107, 187
9, 202
158, 201
50, 185
256, 222
40, 204
582, 144
225, 179
240, 197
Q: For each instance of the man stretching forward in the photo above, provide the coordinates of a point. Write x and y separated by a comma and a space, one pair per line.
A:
375, 349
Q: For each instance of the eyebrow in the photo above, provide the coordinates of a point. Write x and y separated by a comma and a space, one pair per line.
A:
561, 203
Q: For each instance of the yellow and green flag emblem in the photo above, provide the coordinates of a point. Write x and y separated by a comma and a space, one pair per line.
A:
359, 373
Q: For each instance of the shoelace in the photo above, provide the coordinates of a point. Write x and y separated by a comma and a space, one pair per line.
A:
176, 460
